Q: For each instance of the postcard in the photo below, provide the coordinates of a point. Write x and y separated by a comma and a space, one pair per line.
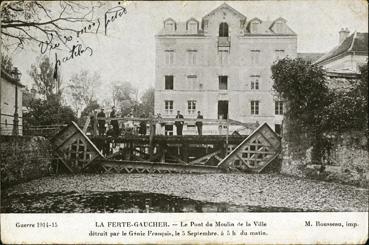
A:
184, 122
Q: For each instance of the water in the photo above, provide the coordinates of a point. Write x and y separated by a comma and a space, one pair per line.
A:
121, 202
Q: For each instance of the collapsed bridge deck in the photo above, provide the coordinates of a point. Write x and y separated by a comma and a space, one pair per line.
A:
167, 154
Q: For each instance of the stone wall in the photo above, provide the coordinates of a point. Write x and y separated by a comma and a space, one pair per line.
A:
24, 158
348, 162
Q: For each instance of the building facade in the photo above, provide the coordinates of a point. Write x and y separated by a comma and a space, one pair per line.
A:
10, 103
221, 67
342, 64
350, 53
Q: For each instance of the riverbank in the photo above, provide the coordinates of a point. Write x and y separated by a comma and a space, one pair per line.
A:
265, 190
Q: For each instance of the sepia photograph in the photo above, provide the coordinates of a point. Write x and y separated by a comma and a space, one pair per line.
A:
184, 107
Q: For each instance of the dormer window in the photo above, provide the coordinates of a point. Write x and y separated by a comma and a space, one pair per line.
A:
279, 27
192, 26
169, 25
254, 25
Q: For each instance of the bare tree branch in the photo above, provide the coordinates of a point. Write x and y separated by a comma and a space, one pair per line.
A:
23, 20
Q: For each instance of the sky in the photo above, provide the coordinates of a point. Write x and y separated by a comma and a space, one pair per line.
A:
127, 52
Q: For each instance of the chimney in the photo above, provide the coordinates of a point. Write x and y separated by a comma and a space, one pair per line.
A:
343, 34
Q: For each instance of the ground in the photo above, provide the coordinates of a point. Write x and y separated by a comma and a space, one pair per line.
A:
264, 190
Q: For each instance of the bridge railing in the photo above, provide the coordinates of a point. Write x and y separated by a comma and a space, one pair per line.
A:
43, 130
155, 122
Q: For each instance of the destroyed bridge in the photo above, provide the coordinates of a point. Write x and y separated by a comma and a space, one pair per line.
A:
78, 151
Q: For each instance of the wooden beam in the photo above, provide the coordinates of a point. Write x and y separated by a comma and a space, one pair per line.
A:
208, 156
85, 127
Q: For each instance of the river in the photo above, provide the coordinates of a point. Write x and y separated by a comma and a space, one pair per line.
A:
180, 193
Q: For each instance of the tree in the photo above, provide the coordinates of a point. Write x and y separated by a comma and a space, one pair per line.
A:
82, 89
42, 74
122, 91
146, 106
316, 110
348, 109
6, 63
303, 86
94, 105
47, 112
124, 96
45, 22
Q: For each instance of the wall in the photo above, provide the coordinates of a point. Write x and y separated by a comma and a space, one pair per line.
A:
7, 107
348, 63
349, 158
23, 158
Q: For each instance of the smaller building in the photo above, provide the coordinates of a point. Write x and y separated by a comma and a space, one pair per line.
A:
11, 103
346, 58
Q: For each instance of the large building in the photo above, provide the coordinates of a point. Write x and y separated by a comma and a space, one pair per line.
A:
221, 67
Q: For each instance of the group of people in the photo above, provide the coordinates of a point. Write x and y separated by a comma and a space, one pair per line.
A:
179, 123
114, 130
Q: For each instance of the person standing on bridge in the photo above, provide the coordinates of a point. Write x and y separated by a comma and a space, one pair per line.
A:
199, 123
114, 123
142, 128
101, 122
179, 124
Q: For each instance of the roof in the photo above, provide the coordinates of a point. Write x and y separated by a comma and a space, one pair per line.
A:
264, 28
10, 78
356, 42
225, 6
312, 57
181, 29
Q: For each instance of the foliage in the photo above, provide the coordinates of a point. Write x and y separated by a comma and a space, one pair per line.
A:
303, 85
47, 112
38, 22
6, 62
42, 74
82, 89
146, 107
123, 91
316, 110
348, 109
92, 106
124, 97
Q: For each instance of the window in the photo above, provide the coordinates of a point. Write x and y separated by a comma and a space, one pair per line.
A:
254, 107
223, 57
279, 54
168, 129
191, 57
169, 57
255, 82
279, 107
192, 82
169, 107
191, 106
254, 27
279, 27
223, 29
170, 25
255, 85
223, 82
169, 82
192, 27
255, 56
